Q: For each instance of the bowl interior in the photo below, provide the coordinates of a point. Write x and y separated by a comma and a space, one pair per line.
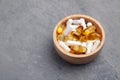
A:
98, 26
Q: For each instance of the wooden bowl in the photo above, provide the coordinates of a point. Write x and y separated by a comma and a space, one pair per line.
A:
79, 59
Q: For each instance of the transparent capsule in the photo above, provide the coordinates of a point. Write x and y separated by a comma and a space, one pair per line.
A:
78, 49
94, 36
89, 30
60, 37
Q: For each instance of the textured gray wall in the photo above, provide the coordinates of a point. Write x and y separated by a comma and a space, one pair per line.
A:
26, 47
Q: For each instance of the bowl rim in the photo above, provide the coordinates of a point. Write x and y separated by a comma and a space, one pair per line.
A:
74, 55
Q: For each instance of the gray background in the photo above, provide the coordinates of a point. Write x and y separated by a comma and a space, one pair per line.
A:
26, 47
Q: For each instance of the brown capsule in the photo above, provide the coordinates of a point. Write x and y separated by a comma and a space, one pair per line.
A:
72, 52
74, 33
79, 30
73, 36
94, 36
60, 37
66, 38
78, 49
83, 38
89, 30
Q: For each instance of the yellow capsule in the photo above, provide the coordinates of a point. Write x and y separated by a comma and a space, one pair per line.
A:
78, 49
66, 38
72, 51
89, 30
60, 37
73, 37
60, 29
83, 38
94, 36
74, 33
70, 37
79, 30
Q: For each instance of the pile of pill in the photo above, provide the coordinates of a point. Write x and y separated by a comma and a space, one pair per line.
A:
78, 36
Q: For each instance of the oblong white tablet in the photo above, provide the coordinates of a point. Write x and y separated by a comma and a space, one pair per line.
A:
70, 43
89, 47
96, 43
64, 46
67, 30
69, 22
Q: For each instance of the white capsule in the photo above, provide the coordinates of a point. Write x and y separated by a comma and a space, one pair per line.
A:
70, 28
96, 43
89, 24
64, 46
74, 30
69, 22
70, 43
84, 44
76, 22
67, 30
74, 26
83, 23
91, 41
89, 47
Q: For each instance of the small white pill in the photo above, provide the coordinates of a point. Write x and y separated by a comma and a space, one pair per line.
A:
96, 43
70, 43
89, 47
64, 46
89, 24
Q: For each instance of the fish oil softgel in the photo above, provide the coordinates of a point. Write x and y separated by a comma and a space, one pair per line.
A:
76, 49
78, 36
60, 29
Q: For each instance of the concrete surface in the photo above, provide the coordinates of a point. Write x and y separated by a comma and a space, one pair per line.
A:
26, 47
